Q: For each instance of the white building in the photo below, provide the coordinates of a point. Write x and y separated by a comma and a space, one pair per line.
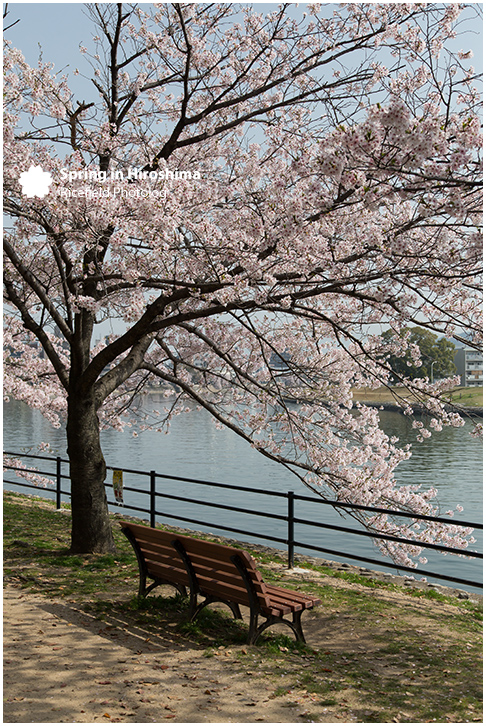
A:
469, 365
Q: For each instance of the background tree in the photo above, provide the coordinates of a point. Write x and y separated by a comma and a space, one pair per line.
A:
431, 351
338, 155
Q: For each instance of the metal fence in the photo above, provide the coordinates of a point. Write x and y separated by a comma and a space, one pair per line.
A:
289, 504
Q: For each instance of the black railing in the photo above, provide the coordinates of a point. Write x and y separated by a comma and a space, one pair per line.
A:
289, 501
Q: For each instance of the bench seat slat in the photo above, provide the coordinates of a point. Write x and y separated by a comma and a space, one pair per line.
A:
285, 606
307, 601
281, 601
157, 551
147, 533
156, 546
209, 549
214, 551
230, 580
223, 565
217, 589
171, 574
230, 575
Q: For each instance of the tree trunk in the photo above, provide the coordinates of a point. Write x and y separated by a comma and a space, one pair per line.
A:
91, 530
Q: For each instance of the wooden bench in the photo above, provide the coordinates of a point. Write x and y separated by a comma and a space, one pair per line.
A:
216, 573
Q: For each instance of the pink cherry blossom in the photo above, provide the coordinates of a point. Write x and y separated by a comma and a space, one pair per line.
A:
334, 199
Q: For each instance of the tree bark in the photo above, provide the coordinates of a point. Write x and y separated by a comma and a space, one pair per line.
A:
91, 530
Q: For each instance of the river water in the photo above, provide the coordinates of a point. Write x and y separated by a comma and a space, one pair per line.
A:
451, 461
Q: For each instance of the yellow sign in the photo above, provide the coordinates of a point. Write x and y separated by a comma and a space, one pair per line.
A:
118, 485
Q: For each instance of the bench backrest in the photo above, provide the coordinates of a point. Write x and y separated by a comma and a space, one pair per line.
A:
216, 573
160, 557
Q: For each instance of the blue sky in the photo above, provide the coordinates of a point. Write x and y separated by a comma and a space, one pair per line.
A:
57, 27
60, 27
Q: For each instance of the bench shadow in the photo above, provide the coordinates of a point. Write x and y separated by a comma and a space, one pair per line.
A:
156, 624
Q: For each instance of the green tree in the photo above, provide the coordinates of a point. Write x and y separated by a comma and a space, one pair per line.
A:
437, 355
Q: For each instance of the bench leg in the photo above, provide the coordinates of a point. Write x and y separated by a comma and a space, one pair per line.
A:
253, 633
299, 633
256, 631
180, 589
235, 609
195, 609
142, 584
144, 591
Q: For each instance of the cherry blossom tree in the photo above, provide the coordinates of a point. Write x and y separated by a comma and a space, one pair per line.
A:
252, 199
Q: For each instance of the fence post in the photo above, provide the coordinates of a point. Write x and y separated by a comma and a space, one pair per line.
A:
152, 498
58, 482
290, 538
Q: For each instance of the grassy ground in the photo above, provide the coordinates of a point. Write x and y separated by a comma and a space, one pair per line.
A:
462, 396
380, 653
467, 396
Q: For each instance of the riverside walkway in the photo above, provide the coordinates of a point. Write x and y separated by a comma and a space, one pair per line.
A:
62, 664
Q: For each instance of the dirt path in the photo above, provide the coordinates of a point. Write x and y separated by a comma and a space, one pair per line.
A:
64, 665
61, 665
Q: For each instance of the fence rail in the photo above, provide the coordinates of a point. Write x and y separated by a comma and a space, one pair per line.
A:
289, 518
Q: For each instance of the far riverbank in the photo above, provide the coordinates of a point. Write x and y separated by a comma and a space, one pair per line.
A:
468, 401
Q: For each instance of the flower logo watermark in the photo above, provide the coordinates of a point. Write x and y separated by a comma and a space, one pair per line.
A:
35, 182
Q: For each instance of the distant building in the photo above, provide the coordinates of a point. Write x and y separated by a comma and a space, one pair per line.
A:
469, 365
